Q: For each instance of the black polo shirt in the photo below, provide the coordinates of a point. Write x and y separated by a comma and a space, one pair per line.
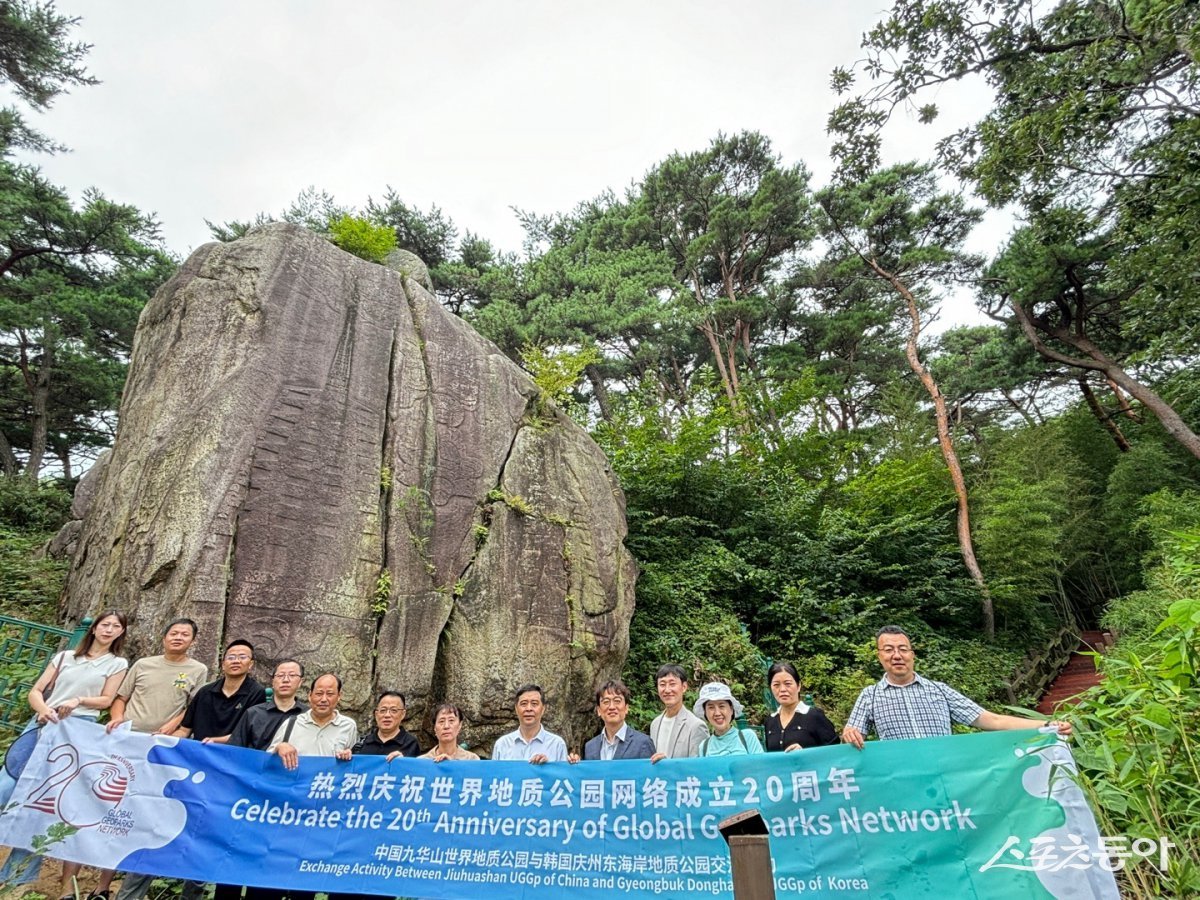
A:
371, 745
212, 714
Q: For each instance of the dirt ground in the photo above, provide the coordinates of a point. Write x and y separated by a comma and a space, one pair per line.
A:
47, 885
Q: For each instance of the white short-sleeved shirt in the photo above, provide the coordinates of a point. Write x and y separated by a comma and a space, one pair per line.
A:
79, 676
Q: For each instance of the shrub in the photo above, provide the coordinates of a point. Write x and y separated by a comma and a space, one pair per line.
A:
360, 237
1136, 732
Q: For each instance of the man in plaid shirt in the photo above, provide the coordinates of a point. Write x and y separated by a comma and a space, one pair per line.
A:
904, 705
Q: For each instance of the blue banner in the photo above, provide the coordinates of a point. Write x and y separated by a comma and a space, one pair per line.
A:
987, 815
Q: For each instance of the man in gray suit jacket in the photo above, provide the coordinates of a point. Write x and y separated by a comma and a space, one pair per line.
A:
617, 740
677, 732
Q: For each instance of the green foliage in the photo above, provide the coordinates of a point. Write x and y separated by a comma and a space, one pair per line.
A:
76, 281
382, 594
363, 239
1145, 470
38, 62
479, 532
1031, 504
557, 374
515, 502
33, 507
1136, 732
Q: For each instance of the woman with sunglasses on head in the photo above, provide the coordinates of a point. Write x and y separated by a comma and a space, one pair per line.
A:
78, 683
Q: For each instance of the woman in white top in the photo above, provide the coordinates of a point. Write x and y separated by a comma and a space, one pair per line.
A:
79, 683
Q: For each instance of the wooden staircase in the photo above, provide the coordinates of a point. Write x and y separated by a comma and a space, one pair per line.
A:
1078, 675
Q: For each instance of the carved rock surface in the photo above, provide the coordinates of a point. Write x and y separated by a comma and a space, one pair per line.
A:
315, 456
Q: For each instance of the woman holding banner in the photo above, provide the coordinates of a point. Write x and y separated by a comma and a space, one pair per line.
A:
447, 725
77, 683
718, 705
795, 725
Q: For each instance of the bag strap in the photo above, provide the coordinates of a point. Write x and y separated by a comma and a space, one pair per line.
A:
287, 732
56, 661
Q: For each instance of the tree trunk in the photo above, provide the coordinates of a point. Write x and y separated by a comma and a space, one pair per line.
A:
599, 391
946, 442
38, 383
8, 460
1097, 360
1102, 417
713, 344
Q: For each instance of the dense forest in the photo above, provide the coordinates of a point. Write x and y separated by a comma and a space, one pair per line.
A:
806, 452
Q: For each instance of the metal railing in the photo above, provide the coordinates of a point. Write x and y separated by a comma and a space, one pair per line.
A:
25, 649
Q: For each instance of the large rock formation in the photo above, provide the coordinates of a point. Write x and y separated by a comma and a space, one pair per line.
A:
314, 455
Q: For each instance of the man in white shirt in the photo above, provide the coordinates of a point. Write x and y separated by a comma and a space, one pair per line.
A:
531, 742
676, 732
321, 731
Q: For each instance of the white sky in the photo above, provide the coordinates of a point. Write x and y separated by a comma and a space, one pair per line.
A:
220, 110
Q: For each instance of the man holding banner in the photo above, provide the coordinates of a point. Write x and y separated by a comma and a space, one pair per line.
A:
530, 742
152, 698
903, 705
617, 740
256, 729
322, 731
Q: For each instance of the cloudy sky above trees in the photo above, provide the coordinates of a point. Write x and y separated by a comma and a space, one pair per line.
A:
224, 109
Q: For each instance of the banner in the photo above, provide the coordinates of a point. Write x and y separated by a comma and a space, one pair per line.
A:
983, 815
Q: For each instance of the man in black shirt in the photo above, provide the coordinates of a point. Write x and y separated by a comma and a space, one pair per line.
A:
215, 710
388, 738
255, 730
259, 724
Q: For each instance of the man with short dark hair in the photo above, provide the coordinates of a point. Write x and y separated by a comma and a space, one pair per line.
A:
388, 737
676, 731
258, 726
255, 730
530, 742
218, 706
321, 731
903, 705
157, 689
152, 698
617, 740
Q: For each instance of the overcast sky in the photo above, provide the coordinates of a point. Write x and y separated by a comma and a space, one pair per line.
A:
220, 110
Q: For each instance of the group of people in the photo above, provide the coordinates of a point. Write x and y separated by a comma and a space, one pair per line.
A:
167, 694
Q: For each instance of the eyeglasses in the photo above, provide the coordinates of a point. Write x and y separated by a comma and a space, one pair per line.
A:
612, 701
390, 710
238, 657
287, 676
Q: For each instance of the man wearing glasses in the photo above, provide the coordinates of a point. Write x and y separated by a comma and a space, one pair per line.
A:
218, 706
388, 737
617, 740
903, 705
256, 728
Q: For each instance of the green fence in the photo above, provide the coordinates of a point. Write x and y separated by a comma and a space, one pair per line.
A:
25, 649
